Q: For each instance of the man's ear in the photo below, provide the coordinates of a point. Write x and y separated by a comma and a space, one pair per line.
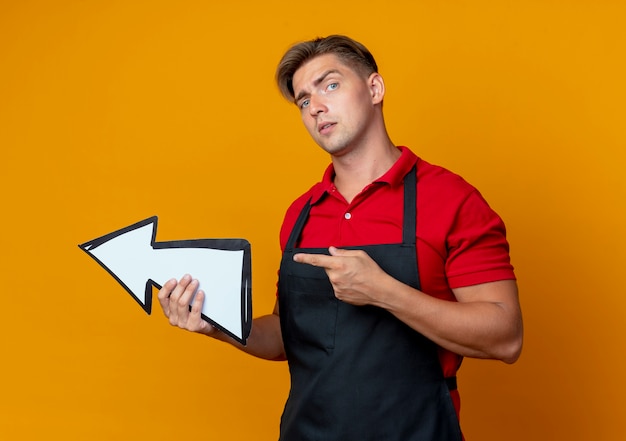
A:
376, 85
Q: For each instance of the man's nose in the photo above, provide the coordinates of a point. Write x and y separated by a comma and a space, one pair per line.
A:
316, 105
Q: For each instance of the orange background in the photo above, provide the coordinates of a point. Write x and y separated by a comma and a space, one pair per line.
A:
114, 111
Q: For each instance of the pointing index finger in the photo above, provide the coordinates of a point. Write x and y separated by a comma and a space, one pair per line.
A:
321, 260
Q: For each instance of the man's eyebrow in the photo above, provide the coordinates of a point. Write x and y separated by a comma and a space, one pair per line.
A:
317, 81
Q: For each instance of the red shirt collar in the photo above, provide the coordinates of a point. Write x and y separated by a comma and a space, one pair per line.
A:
394, 176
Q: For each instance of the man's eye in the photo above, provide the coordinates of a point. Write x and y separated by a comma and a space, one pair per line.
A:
304, 104
333, 86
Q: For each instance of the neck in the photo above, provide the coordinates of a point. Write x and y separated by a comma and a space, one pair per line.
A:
359, 168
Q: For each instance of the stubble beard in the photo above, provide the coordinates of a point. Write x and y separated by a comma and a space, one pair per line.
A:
337, 144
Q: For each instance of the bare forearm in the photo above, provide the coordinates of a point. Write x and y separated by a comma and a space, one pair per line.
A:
265, 340
479, 325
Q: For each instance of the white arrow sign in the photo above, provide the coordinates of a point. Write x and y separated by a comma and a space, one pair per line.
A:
222, 267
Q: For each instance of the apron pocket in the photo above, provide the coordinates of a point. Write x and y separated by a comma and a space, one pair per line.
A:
312, 317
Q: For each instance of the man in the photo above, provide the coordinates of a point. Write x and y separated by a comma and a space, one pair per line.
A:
393, 270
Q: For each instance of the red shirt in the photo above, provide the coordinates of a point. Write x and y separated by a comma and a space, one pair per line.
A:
461, 241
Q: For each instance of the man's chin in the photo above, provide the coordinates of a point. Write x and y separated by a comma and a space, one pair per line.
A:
334, 149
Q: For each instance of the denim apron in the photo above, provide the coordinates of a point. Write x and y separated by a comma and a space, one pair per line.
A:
357, 372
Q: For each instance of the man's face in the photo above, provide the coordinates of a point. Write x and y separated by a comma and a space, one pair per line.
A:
336, 103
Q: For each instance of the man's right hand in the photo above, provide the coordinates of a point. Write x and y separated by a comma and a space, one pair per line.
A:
265, 340
176, 297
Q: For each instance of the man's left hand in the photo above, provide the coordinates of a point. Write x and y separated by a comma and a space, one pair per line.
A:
353, 274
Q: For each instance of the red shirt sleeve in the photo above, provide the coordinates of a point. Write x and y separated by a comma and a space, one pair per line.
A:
477, 245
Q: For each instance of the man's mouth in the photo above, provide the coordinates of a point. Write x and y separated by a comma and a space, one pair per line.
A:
324, 127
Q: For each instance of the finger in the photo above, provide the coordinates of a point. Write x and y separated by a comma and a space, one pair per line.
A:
175, 294
334, 251
184, 301
198, 302
164, 295
339, 252
196, 322
166, 289
320, 260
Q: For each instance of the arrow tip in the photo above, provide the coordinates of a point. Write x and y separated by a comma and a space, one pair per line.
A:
91, 246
